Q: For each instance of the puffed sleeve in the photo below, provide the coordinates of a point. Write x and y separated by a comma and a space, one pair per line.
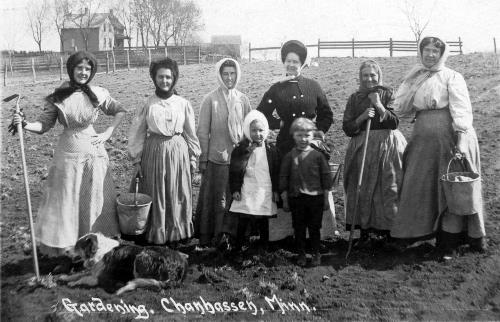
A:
48, 117
459, 103
107, 104
189, 133
203, 131
267, 106
137, 134
324, 114
349, 125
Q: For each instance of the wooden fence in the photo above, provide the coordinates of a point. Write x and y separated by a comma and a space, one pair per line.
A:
108, 61
391, 45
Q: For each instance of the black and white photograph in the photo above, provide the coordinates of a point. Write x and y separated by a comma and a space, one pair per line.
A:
250, 160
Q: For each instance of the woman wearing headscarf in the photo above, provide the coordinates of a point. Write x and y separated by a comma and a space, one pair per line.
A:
291, 97
220, 128
438, 99
79, 194
164, 148
377, 202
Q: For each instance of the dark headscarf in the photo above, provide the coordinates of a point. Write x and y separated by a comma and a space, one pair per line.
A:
61, 93
294, 46
168, 64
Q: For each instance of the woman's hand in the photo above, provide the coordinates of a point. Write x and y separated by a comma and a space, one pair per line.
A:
284, 197
17, 118
461, 147
374, 98
138, 170
236, 196
101, 137
367, 114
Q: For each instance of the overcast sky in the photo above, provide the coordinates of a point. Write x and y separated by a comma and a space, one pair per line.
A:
268, 23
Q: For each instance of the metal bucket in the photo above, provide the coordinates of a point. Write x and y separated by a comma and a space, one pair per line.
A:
133, 211
462, 191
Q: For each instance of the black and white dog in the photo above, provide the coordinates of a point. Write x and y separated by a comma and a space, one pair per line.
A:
109, 264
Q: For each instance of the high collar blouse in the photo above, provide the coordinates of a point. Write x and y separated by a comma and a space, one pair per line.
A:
446, 88
167, 117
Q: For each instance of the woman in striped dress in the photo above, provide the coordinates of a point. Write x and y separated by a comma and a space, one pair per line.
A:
164, 148
79, 194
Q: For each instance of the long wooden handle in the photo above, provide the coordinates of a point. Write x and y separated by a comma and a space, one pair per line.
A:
27, 190
358, 188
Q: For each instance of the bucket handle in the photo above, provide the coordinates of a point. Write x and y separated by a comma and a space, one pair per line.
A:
465, 162
136, 191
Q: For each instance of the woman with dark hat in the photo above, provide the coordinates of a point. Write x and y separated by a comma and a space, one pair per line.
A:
291, 97
79, 194
164, 148
294, 96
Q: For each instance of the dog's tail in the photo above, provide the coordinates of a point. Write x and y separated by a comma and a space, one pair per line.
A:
142, 283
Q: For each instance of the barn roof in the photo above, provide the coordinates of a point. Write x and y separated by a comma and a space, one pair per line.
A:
226, 40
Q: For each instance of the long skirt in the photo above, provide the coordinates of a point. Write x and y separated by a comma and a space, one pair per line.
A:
79, 195
382, 177
214, 200
167, 179
422, 207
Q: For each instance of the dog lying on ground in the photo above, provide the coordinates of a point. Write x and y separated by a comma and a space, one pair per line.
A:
109, 264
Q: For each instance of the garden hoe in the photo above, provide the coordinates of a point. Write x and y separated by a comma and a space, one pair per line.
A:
45, 281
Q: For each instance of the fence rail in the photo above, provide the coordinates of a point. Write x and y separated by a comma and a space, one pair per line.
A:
392, 45
108, 61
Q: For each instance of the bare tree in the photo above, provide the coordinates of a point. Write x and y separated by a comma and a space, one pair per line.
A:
37, 12
85, 19
187, 20
160, 9
141, 12
417, 20
60, 12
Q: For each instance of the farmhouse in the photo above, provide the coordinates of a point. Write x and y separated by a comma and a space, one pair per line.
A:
92, 32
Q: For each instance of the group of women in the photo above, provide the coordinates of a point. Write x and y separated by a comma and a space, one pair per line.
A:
400, 197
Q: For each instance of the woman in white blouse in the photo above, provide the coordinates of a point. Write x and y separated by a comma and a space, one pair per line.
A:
439, 100
164, 148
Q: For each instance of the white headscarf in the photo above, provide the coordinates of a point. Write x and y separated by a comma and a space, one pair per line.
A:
234, 102
403, 103
252, 116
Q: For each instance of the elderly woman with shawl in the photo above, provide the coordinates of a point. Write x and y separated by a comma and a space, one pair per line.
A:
79, 194
220, 128
377, 202
438, 99
164, 148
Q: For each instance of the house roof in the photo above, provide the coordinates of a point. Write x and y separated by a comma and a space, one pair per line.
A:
226, 40
96, 20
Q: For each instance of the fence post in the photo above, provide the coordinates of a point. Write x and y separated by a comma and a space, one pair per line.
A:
495, 45
184, 54
199, 54
107, 63
114, 60
10, 64
166, 51
319, 47
249, 52
460, 45
149, 56
390, 47
33, 69
128, 59
60, 67
5, 76
352, 47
